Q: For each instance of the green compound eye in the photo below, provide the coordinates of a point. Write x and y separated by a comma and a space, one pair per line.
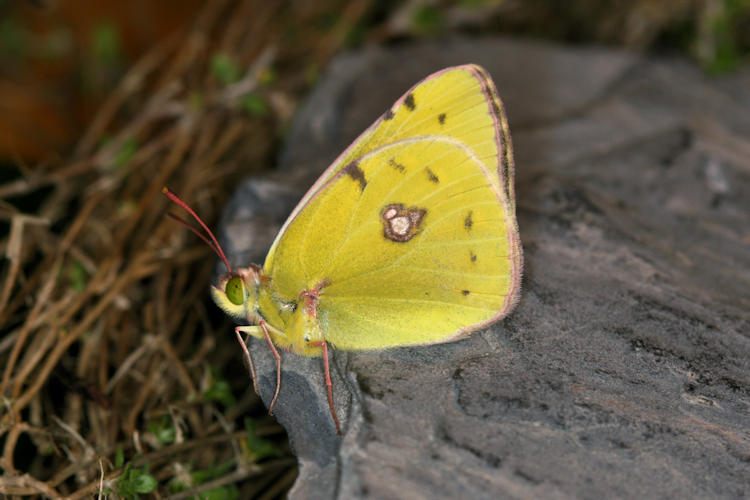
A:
235, 291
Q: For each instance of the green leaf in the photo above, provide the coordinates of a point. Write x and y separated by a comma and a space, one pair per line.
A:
219, 390
105, 43
476, 4
164, 431
254, 104
135, 481
200, 476
144, 483
125, 153
77, 276
427, 20
257, 448
224, 68
222, 493
726, 36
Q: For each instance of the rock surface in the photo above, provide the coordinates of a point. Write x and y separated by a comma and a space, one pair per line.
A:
624, 371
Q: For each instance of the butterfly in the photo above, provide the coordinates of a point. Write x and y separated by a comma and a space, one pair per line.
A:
408, 239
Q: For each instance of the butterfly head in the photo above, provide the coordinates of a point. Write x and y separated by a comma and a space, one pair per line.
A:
237, 292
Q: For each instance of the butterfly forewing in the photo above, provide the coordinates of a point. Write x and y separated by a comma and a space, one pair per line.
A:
460, 103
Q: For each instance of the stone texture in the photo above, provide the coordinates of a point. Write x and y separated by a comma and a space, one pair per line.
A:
624, 370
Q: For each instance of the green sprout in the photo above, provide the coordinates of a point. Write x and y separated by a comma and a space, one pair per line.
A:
219, 389
105, 44
257, 448
125, 153
224, 68
427, 20
77, 276
119, 457
201, 476
164, 431
135, 481
254, 104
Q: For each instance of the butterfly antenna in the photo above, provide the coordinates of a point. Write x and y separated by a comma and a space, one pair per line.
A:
194, 230
213, 242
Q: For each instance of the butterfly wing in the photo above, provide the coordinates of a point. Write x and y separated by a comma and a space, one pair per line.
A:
414, 244
459, 102
412, 231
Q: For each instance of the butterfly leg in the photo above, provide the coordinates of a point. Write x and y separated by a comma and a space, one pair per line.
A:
329, 385
265, 326
243, 342
255, 331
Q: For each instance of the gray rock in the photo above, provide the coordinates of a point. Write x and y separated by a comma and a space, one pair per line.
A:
624, 370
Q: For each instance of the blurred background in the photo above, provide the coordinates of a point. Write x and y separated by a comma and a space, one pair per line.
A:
118, 375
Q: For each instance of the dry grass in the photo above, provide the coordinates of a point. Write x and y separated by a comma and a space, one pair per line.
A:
110, 350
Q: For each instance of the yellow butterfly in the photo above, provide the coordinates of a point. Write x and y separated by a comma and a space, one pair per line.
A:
408, 238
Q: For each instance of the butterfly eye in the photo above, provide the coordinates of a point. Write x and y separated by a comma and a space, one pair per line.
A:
307, 338
235, 291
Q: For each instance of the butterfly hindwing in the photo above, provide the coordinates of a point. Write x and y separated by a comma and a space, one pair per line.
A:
413, 247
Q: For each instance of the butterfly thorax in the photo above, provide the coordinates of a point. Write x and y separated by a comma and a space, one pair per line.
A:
302, 332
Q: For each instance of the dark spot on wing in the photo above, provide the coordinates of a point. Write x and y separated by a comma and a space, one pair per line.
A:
400, 224
356, 173
465, 292
468, 222
398, 166
388, 115
409, 102
441, 118
431, 175
472, 256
